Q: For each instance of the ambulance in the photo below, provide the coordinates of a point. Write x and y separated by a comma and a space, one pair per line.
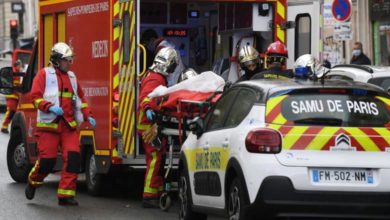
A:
106, 38
270, 149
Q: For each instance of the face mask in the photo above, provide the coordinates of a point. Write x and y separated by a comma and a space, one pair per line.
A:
356, 53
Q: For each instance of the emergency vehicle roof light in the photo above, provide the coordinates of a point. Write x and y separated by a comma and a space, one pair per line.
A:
263, 140
302, 72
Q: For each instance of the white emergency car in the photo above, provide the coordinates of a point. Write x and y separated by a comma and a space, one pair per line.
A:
271, 148
377, 75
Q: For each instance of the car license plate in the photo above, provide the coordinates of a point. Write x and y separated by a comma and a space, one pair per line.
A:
347, 176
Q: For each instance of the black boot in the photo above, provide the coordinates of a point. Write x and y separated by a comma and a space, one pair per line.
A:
4, 130
151, 203
29, 191
67, 201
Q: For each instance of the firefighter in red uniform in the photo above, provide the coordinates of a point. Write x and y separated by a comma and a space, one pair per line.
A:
276, 61
12, 100
164, 64
61, 107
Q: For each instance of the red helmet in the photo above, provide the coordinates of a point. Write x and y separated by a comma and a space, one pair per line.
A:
278, 49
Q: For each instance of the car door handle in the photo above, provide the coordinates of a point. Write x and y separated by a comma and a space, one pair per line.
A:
225, 143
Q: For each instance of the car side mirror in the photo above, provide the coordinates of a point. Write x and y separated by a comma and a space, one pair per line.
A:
196, 126
388, 91
6, 80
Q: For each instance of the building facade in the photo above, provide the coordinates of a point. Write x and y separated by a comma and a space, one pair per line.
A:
380, 21
29, 21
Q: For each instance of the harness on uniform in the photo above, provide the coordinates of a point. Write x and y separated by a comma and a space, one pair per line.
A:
51, 94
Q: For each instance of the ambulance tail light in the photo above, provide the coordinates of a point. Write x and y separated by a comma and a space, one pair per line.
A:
116, 96
115, 111
333, 91
115, 107
263, 140
115, 122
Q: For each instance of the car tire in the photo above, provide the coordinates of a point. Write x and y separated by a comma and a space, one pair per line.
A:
238, 201
185, 199
95, 182
17, 160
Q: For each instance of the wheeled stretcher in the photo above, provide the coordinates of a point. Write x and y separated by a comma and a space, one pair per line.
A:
180, 104
174, 125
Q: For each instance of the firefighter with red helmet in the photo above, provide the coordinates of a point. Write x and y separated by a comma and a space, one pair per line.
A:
61, 106
250, 62
276, 58
12, 99
163, 65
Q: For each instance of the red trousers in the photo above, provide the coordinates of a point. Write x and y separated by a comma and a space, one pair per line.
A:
48, 145
12, 105
155, 161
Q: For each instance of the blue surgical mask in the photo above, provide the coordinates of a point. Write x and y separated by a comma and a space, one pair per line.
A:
356, 53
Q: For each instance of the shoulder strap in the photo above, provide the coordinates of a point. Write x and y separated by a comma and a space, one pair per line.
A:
73, 81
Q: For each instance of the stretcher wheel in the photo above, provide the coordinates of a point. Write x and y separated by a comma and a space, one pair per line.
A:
165, 201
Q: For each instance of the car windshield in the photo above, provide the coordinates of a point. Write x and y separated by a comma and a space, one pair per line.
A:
355, 108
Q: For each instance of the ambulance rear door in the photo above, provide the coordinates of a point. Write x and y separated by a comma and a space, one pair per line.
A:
125, 73
304, 38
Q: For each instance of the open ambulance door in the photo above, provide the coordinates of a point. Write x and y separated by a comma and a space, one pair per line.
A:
304, 38
125, 81
20, 61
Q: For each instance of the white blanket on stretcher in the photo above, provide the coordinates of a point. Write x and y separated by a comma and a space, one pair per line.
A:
204, 83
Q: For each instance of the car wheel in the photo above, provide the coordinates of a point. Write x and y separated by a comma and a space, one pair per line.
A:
94, 180
17, 160
185, 201
237, 201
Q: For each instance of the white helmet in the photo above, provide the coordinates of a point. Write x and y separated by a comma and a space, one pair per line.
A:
165, 61
307, 65
248, 55
60, 51
186, 74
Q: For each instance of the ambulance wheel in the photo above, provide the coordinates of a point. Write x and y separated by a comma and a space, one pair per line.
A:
237, 201
185, 199
94, 180
17, 161
165, 202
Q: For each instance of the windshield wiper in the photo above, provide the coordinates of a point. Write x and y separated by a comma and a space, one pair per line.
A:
320, 121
